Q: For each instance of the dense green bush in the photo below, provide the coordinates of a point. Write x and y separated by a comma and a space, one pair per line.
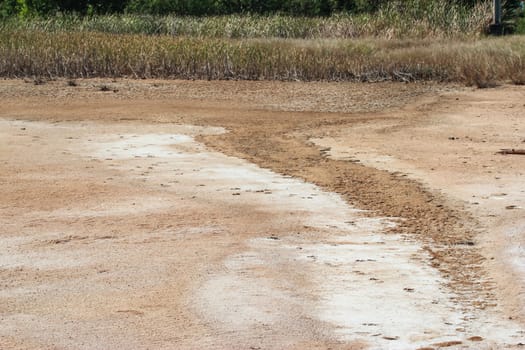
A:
512, 16
31, 8
8, 8
291, 7
26, 8
214, 7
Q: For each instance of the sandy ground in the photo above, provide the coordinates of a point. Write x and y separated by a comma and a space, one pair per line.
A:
250, 215
451, 147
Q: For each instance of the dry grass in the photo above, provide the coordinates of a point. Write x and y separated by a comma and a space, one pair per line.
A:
436, 41
481, 62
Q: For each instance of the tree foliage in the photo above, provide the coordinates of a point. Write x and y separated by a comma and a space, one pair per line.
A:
25, 8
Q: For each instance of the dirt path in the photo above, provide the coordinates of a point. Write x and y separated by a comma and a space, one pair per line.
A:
135, 234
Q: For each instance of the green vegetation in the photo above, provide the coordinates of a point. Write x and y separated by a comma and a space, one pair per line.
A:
388, 22
25, 8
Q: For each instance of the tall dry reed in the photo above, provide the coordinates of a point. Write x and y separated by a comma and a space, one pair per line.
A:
82, 54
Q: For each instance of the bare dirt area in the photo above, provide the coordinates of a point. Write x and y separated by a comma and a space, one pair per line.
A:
260, 215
